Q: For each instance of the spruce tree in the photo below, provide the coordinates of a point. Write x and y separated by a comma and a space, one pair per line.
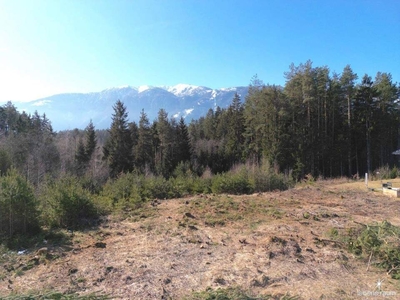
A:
118, 148
144, 147
81, 158
91, 141
164, 151
184, 151
234, 144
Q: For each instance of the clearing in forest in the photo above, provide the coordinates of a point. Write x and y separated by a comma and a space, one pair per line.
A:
322, 240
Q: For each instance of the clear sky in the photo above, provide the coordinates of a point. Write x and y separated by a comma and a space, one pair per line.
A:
56, 46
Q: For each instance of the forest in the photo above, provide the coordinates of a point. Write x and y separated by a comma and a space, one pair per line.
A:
319, 125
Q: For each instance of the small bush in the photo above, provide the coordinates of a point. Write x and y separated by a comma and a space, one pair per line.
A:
18, 206
130, 190
385, 173
264, 178
202, 185
183, 170
126, 192
245, 179
380, 240
394, 172
157, 187
66, 204
232, 182
182, 186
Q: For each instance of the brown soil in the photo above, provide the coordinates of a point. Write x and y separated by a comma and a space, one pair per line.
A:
269, 243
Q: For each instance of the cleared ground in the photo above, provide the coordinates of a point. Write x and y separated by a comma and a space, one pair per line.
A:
268, 244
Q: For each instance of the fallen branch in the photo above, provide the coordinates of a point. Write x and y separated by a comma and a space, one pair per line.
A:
392, 269
360, 223
329, 241
369, 261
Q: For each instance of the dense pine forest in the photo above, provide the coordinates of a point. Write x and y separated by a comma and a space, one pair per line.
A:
320, 124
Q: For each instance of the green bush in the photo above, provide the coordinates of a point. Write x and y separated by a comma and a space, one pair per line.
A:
130, 190
66, 204
157, 187
233, 182
125, 192
18, 206
394, 172
385, 173
183, 170
264, 178
182, 186
184, 181
202, 185
381, 241
245, 179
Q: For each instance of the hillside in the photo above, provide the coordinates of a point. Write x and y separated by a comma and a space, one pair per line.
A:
277, 243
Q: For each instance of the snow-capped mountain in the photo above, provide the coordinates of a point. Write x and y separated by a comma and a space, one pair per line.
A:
74, 110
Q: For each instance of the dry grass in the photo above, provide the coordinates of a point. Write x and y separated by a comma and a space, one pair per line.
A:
267, 244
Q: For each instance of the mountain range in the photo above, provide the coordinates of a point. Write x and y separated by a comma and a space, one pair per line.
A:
75, 110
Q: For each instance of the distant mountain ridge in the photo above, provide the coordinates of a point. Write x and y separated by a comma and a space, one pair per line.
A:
74, 110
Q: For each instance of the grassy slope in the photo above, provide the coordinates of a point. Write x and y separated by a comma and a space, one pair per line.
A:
267, 244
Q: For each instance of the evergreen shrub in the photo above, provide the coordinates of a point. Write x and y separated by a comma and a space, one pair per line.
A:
66, 204
233, 182
264, 178
18, 206
125, 192
157, 187
379, 240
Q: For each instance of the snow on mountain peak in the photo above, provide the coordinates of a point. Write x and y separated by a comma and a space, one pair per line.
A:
228, 89
182, 89
143, 88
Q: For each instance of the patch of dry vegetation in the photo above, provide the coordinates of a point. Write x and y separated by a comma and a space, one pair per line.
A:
273, 245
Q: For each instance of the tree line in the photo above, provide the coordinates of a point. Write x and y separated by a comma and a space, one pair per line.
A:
319, 123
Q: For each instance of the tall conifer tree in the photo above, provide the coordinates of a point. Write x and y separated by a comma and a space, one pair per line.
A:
118, 148
184, 151
91, 141
144, 147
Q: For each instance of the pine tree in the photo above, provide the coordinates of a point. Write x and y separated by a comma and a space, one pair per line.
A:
234, 145
347, 81
81, 158
388, 116
184, 151
91, 141
134, 133
365, 110
144, 147
164, 153
118, 148
252, 108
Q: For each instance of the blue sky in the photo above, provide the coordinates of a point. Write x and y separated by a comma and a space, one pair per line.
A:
56, 46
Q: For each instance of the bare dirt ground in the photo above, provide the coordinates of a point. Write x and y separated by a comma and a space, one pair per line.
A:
270, 244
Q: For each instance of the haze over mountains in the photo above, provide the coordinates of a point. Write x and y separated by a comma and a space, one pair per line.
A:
74, 110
